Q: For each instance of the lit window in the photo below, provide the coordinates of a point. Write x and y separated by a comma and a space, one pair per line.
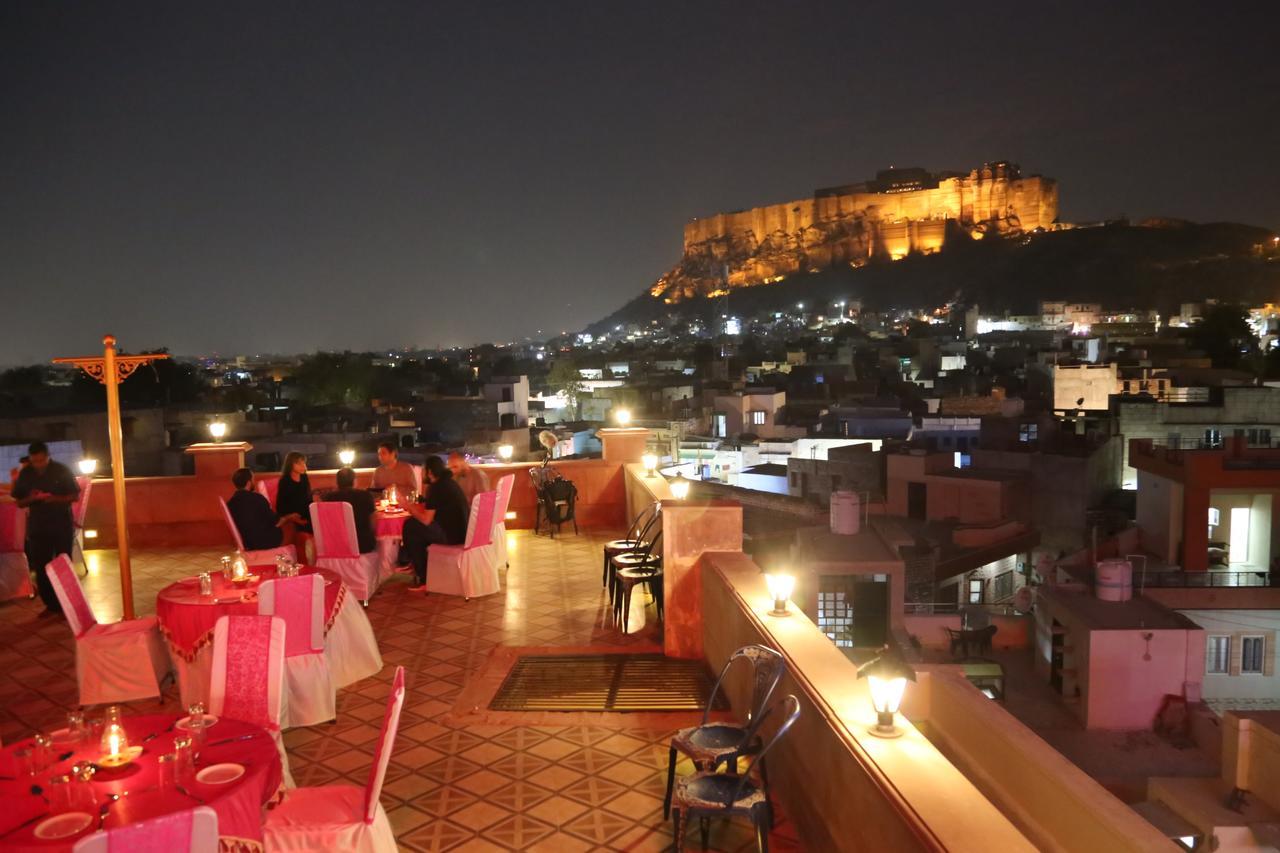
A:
757, 417
835, 609
1217, 654
1251, 649
1213, 437
1028, 432
975, 591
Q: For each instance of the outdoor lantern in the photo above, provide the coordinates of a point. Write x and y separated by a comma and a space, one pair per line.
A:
650, 462
780, 587
505, 451
346, 457
217, 429
887, 676
679, 487
622, 416
88, 466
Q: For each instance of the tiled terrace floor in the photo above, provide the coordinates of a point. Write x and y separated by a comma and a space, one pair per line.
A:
461, 778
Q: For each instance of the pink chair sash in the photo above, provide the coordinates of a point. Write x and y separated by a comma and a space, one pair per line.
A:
390, 724
70, 594
480, 530
300, 603
158, 835
247, 688
231, 523
81, 506
13, 528
335, 529
269, 487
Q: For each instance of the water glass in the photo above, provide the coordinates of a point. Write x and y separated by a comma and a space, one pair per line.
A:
185, 762
42, 745
206, 583
82, 796
26, 760
167, 767
75, 725
196, 710
226, 567
60, 793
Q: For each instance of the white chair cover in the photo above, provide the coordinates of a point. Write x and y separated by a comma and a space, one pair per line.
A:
351, 645
78, 511
505, 485
194, 830
341, 817
262, 557
417, 478
109, 658
15, 574
337, 549
247, 680
268, 487
309, 695
470, 569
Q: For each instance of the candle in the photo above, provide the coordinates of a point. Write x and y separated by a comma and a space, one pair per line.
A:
114, 744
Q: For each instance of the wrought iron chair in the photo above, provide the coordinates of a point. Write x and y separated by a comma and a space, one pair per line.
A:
638, 567
709, 744
709, 794
635, 540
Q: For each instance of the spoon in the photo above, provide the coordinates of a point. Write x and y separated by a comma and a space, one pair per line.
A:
106, 807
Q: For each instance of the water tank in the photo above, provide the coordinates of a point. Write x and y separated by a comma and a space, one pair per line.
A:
1114, 580
846, 513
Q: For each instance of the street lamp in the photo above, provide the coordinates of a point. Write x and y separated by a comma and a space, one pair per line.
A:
887, 677
87, 466
505, 451
679, 487
217, 429
650, 462
780, 588
346, 457
623, 417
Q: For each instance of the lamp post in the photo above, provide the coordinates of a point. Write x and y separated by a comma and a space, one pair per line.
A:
87, 466
887, 676
623, 417
218, 430
650, 463
112, 369
780, 589
679, 487
505, 451
346, 457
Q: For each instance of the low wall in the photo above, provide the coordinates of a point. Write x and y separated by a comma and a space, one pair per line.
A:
1012, 632
170, 512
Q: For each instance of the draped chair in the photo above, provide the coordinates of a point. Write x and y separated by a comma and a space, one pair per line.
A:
338, 548
194, 830
263, 557
469, 569
505, 485
15, 573
78, 511
247, 679
309, 694
118, 662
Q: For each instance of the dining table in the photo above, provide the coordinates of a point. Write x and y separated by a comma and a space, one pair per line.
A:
187, 618
388, 524
236, 772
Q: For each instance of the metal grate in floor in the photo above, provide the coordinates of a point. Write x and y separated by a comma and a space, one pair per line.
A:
611, 682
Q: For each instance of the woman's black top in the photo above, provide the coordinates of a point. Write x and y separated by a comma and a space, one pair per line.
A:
295, 497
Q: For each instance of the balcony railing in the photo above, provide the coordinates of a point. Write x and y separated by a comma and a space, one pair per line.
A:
937, 608
1205, 579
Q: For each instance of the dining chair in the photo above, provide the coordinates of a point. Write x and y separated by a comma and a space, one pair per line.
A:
470, 569
710, 794
636, 539
117, 662
309, 694
194, 830
261, 557
708, 744
635, 568
338, 548
15, 572
79, 510
341, 817
247, 678
504, 488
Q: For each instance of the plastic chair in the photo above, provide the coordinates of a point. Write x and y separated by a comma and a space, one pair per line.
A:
709, 794
469, 569
338, 548
262, 557
15, 572
79, 510
505, 486
194, 830
309, 694
246, 682
341, 817
110, 659
710, 744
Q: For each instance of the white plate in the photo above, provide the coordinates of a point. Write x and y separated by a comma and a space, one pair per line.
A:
220, 774
64, 825
188, 724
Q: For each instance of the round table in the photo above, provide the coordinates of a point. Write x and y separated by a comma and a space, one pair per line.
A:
390, 523
187, 619
238, 803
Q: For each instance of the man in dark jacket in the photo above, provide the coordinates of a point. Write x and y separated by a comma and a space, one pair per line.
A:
361, 507
252, 513
439, 519
47, 489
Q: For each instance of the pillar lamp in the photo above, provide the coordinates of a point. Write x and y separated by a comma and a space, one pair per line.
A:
217, 429
87, 466
623, 417
346, 457
650, 463
505, 451
780, 588
887, 676
679, 487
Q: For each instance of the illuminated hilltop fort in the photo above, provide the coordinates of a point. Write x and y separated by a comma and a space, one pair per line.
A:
900, 212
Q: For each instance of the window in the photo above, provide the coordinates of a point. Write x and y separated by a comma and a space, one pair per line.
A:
1251, 649
1260, 437
835, 610
1217, 654
1002, 586
1028, 432
1213, 437
975, 591
757, 417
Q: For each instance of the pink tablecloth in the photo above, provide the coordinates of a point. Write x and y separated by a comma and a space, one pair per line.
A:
390, 524
238, 804
187, 618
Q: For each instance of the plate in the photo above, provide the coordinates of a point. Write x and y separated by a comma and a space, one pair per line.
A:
220, 774
190, 724
64, 825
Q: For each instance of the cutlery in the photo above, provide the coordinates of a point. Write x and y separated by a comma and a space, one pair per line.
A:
155, 735
27, 822
186, 793
249, 736
106, 807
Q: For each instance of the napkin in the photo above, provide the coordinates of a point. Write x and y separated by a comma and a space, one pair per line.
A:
19, 810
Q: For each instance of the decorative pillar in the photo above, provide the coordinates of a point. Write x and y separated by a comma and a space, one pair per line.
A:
623, 445
690, 529
218, 461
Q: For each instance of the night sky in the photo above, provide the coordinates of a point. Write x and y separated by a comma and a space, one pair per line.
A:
279, 177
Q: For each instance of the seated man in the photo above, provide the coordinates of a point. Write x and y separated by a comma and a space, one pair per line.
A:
471, 480
361, 507
252, 513
440, 519
392, 472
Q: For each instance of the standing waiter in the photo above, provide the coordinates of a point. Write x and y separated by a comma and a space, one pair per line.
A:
47, 489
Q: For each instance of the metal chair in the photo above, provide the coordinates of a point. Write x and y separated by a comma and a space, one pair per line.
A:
709, 744
639, 567
635, 540
709, 794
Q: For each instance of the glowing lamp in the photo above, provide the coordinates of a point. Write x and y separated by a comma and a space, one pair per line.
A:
510, 516
623, 417
346, 457
780, 588
505, 451
679, 487
239, 568
88, 466
650, 462
217, 429
887, 676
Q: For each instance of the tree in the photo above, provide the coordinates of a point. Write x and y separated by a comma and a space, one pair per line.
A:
564, 376
1224, 335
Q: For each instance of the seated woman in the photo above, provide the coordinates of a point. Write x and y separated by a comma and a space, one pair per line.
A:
293, 505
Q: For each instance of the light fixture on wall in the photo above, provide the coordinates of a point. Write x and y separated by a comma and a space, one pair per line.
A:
650, 463
679, 487
346, 457
87, 466
623, 417
218, 430
505, 451
887, 676
780, 588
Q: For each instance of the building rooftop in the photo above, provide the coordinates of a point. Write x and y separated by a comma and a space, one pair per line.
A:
1137, 612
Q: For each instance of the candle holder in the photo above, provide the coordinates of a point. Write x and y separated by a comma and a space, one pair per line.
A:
116, 751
